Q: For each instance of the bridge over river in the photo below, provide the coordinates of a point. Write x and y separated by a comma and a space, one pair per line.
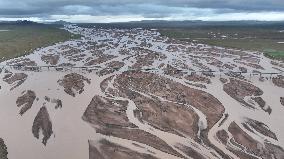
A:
90, 69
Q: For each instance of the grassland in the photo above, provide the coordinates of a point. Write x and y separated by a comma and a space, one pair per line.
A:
263, 39
17, 39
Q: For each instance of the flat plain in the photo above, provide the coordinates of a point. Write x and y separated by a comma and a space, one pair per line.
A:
136, 93
21, 39
269, 40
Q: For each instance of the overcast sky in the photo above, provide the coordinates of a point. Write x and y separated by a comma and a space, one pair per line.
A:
135, 10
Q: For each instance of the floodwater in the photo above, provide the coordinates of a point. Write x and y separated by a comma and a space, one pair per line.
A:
71, 133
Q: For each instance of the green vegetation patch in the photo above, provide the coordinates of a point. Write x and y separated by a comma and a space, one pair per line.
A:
17, 39
274, 54
246, 38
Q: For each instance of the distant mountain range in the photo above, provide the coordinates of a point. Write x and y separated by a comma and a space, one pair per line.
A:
20, 22
27, 22
186, 24
163, 24
59, 22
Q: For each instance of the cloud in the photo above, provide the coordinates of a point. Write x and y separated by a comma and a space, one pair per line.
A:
123, 10
263, 16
